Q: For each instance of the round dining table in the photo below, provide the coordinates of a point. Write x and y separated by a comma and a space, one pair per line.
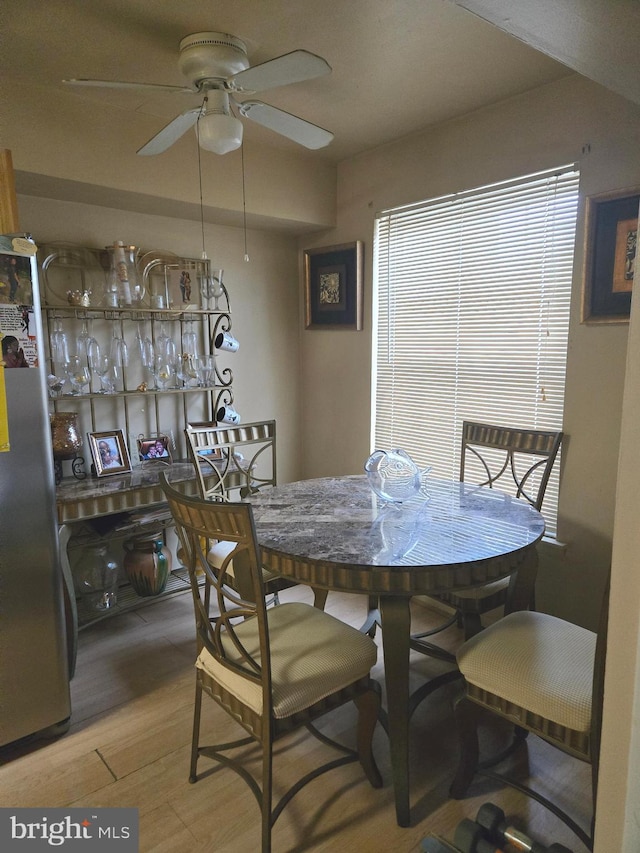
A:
334, 533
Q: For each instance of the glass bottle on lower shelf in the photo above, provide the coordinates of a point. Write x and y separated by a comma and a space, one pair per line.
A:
95, 578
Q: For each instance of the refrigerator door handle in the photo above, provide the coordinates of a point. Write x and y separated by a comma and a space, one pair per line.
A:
70, 607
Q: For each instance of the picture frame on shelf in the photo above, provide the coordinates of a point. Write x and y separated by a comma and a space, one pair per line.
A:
154, 448
183, 286
109, 452
171, 282
611, 233
333, 286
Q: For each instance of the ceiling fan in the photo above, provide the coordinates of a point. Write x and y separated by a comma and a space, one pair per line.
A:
218, 68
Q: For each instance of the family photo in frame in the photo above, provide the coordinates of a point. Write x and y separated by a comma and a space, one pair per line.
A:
109, 453
154, 449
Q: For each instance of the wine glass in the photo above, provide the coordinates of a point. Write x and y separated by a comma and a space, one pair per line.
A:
118, 350
78, 375
162, 372
206, 367
165, 345
104, 368
87, 346
211, 286
55, 384
190, 338
146, 347
59, 343
185, 369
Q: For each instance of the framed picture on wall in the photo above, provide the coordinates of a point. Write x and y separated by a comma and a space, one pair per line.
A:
611, 236
333, 286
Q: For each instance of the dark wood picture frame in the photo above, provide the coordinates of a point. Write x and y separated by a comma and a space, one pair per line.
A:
333, 286
115, 443
611, 231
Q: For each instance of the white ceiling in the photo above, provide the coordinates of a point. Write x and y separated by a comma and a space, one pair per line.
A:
598, 38
398, 65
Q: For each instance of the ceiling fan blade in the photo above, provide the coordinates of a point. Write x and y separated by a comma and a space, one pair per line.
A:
290, 68
171, 133
294, 128
118, 84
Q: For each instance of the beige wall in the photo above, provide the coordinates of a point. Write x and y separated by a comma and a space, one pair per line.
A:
547, 127
90, 159
263, 294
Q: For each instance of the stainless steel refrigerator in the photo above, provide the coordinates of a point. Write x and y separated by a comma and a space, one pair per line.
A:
34, 668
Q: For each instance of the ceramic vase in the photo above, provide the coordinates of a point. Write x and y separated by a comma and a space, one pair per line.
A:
147, 563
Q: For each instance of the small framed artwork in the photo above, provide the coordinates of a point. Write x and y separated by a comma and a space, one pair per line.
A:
610, 256
333, 286
183, 285
109, 452
154, 448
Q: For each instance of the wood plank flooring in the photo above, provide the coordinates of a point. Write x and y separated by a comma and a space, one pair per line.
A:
129, 742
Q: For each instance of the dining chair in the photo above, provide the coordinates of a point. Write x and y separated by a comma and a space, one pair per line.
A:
237, 462
233, 461
516, 461
543, 674
273, 670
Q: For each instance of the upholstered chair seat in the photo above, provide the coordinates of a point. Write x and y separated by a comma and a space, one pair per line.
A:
546, 676
538, 670
305, 666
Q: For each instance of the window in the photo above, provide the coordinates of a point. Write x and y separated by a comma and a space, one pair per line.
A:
471, 316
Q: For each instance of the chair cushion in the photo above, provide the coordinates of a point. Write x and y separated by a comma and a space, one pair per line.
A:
537, 662
220, 551
477, 593
313, 655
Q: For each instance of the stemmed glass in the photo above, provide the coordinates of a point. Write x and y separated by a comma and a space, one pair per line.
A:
118, 350
190, 339
87, 347
206, 367
162, 372
146, 347
104, 368
59, 343
185, 370
165, 345
211, 286
78, 374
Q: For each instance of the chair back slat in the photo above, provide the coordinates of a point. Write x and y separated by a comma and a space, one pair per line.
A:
523, 457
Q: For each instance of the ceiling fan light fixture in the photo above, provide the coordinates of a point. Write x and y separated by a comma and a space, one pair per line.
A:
219, 133
217, 129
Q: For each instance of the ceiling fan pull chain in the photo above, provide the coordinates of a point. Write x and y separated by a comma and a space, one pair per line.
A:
244, 209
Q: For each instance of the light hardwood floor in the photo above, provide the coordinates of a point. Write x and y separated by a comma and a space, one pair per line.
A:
128, 745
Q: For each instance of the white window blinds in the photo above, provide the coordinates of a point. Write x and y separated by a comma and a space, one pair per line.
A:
471, 314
